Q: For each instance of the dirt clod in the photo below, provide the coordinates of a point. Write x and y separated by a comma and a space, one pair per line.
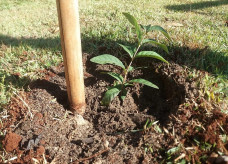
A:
11, 141
40, 150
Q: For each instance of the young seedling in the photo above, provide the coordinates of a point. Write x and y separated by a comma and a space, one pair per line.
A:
122, 81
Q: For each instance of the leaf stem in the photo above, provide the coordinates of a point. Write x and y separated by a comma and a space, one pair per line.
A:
132, 59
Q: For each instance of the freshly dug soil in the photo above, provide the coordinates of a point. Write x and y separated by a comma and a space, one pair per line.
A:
41, 128
11, 141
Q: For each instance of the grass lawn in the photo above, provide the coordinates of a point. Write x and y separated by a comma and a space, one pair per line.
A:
29, 38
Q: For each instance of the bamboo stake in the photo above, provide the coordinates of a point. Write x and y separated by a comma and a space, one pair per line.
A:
68, 16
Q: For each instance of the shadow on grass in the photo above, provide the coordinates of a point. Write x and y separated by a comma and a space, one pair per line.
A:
89, 45
16, 80
10, 81
204, 59
37, 43
197, 5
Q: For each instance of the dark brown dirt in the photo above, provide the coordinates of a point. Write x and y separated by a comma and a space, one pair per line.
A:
182, 118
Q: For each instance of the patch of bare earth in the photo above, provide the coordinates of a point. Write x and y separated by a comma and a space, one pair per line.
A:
40, 128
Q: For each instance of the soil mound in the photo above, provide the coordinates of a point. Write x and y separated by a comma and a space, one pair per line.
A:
44, 130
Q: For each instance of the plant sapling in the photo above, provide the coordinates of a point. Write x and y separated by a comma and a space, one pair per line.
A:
122, 81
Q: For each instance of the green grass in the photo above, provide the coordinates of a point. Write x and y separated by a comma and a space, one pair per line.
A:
29, 41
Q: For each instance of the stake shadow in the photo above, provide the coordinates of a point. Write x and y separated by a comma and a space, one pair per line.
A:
89, 45
37, 43
52, 88
197, 5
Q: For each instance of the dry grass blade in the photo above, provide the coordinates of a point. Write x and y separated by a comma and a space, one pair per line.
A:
26, 105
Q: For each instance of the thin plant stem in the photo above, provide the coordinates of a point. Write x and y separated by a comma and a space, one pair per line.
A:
127, 70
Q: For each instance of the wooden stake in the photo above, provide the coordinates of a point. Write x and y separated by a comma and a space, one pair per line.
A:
68, 15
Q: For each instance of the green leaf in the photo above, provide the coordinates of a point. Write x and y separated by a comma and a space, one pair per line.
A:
110, 95
162, 30
134, 22
150, 124
115, 83
107, 59
142, 26
128, 84
150, 54
145, 82
173, 150
145, 126
123, 94
115, 75
145, 27
162, 46
183, 161
128, 49
131, 69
